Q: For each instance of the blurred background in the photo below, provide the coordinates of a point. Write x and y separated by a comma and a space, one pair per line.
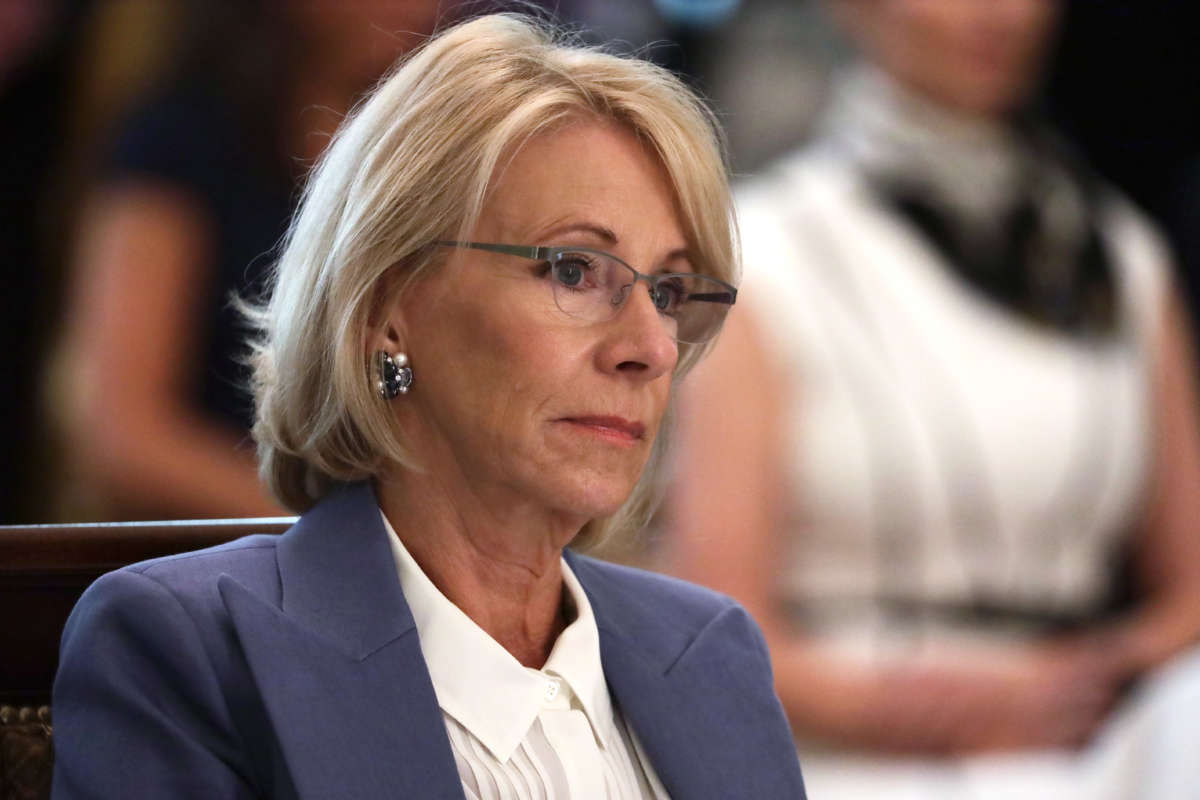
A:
128, 125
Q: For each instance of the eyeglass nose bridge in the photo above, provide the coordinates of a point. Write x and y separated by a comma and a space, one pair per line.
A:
617, 301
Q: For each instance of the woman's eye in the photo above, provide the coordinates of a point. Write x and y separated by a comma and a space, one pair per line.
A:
667, 296
570, 272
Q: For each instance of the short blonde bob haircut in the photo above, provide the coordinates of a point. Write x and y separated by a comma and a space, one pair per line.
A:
411, 165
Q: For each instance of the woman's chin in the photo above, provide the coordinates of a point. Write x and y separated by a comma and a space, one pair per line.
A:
594, 499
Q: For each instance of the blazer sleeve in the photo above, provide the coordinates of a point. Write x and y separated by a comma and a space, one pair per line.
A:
138, 709
732, 653
777, 748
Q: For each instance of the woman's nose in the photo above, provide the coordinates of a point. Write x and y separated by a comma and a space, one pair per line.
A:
640, 341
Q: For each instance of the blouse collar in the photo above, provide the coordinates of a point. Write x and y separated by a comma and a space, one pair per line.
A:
480, 684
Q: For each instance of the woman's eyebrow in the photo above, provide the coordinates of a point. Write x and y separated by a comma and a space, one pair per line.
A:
681, 254
611, 239
599, 231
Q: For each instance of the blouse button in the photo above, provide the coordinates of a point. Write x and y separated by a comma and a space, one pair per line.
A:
551, 689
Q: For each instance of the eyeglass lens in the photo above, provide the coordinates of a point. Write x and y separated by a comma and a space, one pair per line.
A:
594, 286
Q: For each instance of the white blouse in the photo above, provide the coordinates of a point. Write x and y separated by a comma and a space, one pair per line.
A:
519, 733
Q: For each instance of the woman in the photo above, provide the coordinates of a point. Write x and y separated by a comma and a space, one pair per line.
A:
459, 375
964, 397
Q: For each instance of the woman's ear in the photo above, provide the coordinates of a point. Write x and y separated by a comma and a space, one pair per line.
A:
386, 335
385, 323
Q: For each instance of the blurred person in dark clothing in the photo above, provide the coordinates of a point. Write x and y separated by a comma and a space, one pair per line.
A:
966, 394
188, 206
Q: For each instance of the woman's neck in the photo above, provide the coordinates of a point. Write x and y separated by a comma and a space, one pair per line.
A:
501, 567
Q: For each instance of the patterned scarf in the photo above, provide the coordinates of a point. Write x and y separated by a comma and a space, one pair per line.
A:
1008, 206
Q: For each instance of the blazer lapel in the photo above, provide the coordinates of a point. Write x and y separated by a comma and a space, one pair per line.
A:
339, 666
708, 730
665, 717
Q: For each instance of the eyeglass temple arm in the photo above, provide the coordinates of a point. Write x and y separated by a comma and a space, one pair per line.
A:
729, 297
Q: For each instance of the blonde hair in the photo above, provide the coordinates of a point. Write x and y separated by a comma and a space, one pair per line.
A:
411, 165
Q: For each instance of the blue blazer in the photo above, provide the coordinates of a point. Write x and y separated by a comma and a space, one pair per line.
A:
289, 667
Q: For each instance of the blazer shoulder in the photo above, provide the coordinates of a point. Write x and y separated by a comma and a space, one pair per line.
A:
149, 660
191, 577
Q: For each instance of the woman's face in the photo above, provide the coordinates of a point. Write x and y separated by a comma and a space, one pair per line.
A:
513, 400
979, 57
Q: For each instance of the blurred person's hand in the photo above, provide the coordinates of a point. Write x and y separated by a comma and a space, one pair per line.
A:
1055, 695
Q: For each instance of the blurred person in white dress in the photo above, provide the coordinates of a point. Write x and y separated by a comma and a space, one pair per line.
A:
948, 456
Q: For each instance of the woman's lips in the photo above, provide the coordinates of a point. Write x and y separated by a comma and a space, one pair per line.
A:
615, 428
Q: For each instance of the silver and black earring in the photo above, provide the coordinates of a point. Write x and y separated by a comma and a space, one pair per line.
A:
393, 375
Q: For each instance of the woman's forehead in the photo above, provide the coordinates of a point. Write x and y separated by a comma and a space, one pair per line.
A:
593, 181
